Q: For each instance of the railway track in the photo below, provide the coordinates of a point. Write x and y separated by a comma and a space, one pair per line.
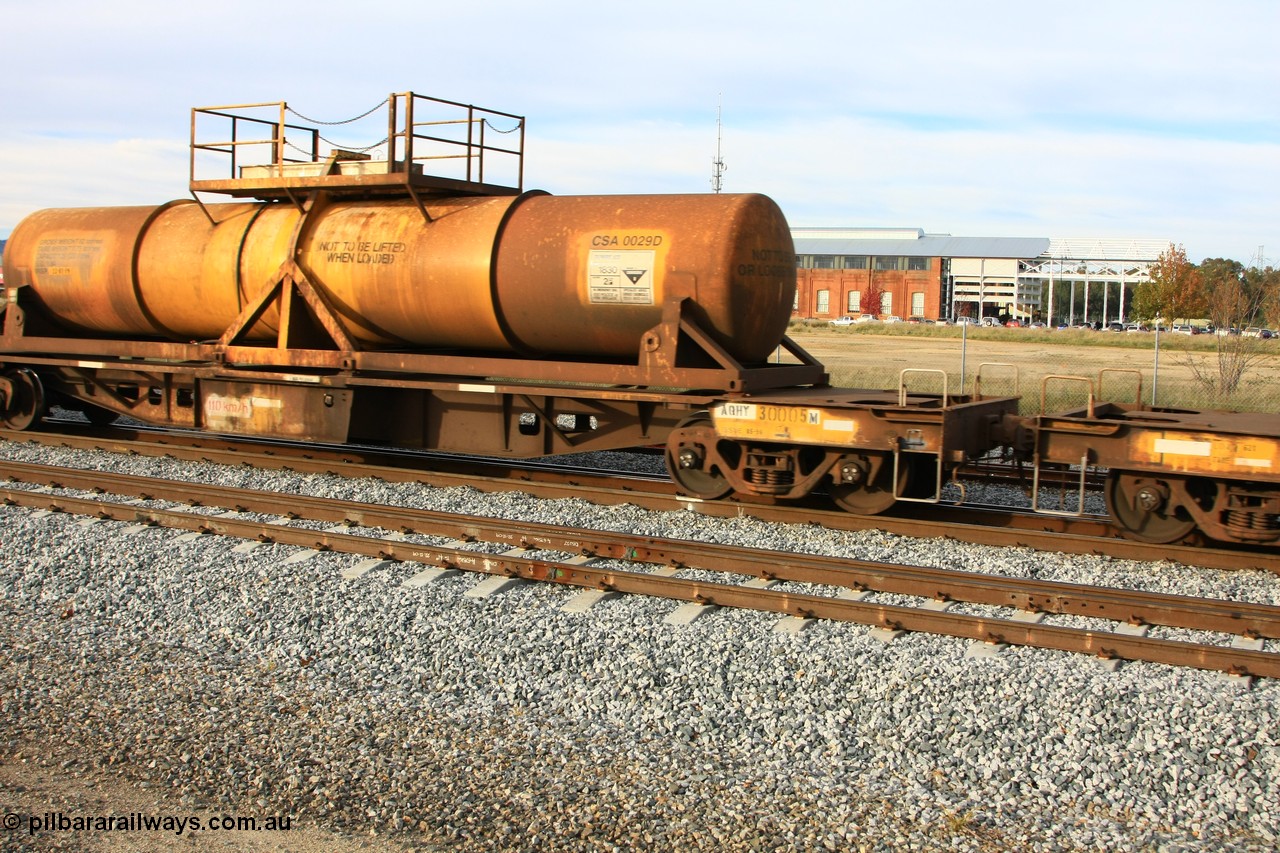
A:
986, 525
611, 562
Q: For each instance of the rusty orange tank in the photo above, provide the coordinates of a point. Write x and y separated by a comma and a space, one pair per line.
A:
532, 274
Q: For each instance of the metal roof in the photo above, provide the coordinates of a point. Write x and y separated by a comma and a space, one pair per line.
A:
912, 242
1081, 248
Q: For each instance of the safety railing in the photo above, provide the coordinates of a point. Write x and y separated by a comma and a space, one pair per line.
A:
420, 141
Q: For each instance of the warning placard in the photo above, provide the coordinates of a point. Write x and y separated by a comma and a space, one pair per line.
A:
620, 276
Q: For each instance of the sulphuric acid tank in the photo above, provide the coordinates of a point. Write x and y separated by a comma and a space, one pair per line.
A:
533, 274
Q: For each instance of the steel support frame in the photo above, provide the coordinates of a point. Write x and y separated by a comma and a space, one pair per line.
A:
504, 420
675, 354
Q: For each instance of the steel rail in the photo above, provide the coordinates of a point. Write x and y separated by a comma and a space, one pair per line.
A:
1104, 644
983, 526
1132, 606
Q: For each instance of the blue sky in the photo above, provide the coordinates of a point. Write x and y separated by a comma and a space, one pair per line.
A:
1119, 119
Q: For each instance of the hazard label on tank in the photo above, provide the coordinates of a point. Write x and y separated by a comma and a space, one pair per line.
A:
620, 277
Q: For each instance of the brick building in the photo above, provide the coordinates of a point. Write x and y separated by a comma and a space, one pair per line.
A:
928, 276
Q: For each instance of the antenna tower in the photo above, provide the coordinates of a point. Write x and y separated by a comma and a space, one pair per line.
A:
718, 167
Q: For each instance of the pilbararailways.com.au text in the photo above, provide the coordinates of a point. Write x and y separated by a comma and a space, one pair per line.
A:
142, 822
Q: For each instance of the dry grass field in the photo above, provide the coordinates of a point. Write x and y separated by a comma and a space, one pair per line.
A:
875, 357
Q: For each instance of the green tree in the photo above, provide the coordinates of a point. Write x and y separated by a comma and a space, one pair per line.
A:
1267, 282
1230, 301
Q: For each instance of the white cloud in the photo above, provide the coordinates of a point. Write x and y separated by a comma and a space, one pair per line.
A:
41, 172
1143, 118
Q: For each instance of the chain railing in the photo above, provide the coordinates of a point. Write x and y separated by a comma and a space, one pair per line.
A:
419, 136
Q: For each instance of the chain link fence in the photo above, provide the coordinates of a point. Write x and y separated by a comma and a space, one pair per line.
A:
1053, 370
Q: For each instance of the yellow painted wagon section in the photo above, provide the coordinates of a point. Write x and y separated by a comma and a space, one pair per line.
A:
1207, 453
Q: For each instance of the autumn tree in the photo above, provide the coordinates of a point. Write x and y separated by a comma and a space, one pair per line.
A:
872, 296
1176, 289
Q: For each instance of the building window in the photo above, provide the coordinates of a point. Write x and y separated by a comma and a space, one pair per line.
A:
886, 302
855, 262
917, 263
824, 262
855, 302
888, 263
795, 301
917, 304
824, 297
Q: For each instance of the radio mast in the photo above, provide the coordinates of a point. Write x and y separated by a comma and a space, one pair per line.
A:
718, 167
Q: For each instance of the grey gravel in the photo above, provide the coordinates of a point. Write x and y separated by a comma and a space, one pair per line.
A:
506, 724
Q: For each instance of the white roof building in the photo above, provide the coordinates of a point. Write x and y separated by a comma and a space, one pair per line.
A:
1014, 275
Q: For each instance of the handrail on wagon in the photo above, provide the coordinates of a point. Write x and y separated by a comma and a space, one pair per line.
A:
270, 150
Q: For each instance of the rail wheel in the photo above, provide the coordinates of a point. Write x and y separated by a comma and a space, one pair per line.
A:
1141, 505
25, 403
865, 493
687, 459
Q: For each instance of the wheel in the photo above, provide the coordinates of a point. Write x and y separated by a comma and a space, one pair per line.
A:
1141, 506
687, 459
700, 484
26, 404
876, 496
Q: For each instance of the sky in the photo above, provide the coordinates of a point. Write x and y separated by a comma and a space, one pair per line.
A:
1114, 119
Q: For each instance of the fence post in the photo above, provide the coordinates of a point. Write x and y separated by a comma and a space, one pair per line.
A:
1155, 371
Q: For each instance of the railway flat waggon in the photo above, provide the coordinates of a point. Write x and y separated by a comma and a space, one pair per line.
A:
1173, 471
343, 297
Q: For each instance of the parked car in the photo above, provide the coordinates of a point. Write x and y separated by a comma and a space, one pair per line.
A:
1115, 326
846, 320
1136, 327
867, 318
1252, 332
892, 318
